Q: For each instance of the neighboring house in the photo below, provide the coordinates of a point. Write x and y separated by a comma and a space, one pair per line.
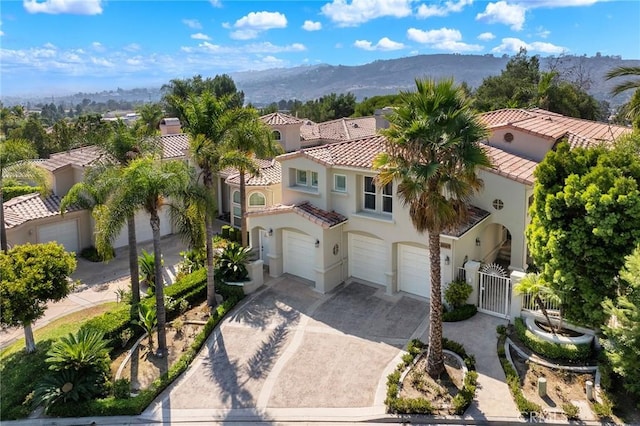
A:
334, 224
34, 219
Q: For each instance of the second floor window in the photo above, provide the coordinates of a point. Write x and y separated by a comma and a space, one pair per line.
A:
340, 183
369, 193
277, 135
306, 178
376, 199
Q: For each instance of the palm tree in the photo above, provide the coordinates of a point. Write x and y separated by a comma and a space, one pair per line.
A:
208, 121
632, 108
145, 184
13, 152
248, 140
535, 285
149, 121
433, 152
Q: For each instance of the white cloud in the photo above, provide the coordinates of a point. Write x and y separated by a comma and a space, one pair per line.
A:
200, 36
194, 24
562, 3
132, 47
215, 3
271, 60
1, 32
103, 62
251, 25
357, 12
55, 7
257, 48
543, 32
513, 45
504, 13
443, 39
311, 26
383, 44
486, 36
452, 6
50, 45
244, 34
97, 46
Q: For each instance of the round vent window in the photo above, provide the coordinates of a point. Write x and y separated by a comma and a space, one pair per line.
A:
508, 137
498, 204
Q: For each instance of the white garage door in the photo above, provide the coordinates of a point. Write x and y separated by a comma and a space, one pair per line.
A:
143, 228
413, 270
367, 258
65, 233
299, 254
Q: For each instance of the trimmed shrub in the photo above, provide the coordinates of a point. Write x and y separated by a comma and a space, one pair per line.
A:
9, 192
555, 351
462, 313
457, 293
112, 324
92, 255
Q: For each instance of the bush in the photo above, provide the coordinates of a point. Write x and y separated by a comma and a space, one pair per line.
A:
122, 389
112, 324
571, 411
603, 409
457, 293
555, 351
461, 313
9, 192
92, 255
231, 233
232, 263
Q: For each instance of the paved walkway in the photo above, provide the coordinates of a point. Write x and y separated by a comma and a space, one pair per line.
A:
99, 283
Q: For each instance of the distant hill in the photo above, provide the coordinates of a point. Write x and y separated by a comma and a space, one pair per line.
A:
390, 76
376, 78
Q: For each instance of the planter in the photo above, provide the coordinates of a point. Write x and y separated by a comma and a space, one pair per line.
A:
248, 287
584, 338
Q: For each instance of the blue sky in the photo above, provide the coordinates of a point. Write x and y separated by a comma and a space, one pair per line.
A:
66, 46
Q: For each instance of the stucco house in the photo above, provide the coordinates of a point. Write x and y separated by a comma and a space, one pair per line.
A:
333, 224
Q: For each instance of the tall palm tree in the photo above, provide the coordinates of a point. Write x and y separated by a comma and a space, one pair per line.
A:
208, 121
145, 184
13, 152
533, 284
433, 152
149, 121
248, 140
632, 108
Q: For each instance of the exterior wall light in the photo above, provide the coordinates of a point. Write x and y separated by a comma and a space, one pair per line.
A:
478, 242
317, 243
447, 260
270, 232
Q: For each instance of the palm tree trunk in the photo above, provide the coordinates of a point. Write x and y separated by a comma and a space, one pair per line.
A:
243, 210
435, 357
30, 343
4, 246
545, 313
133, 264
208, 225
160, 311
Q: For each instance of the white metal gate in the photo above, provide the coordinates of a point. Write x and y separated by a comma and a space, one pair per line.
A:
495, 294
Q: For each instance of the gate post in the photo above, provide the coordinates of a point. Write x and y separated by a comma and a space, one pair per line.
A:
516, 299
471, 269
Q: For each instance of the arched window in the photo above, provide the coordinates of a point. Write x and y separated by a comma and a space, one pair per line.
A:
257, 199
277, 135
236, 197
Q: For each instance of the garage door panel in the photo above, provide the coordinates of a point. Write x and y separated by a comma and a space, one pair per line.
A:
367, 258
299, 255
65, 233
413, 270
143, 228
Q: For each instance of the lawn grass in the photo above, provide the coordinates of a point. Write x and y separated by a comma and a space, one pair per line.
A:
61, 327
18, 369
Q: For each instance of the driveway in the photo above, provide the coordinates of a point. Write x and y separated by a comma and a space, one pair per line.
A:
289, 352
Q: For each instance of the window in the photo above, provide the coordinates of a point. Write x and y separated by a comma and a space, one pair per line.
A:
314, 179
236, 210
236, 197
301, 177
508, 137
257, 200
369, 193
340, 183
277, 135
375, 200
498, 204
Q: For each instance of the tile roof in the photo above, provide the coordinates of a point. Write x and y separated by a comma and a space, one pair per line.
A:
355, 153
511, 165
270, 174
476, 215
278, 118
324, 218
174, 145
342, 129
28, 207
80, 157
551, 125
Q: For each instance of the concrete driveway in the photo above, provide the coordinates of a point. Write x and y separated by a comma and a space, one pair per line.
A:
291, 353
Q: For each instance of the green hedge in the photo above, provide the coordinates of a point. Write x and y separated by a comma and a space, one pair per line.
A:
460, 314
112, 324
554, 351
9, 192
132, 406
421, 405
525, 406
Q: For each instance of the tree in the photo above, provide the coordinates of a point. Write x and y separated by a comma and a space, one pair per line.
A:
149, 122
433, 152
631, 108
177, 91
369, 105
208, 120
624, 331
246, 141
32, 275
584, 222
145, 184
534, 285
13, 152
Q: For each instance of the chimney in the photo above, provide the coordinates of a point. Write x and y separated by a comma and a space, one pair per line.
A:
170, 126
381, 117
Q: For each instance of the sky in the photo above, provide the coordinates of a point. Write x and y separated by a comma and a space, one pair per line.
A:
52, 47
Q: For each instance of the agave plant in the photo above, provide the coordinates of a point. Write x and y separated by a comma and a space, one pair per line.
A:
232, 263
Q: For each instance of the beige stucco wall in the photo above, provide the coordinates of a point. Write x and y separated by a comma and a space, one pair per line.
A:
290, 136
28, 232
523, 144
292, 194
63, 180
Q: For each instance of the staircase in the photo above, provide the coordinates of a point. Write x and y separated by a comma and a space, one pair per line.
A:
504, 255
